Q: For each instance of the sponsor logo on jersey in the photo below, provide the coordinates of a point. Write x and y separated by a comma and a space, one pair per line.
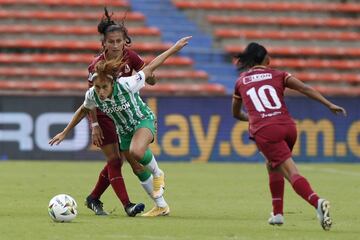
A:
115, 108
257, 78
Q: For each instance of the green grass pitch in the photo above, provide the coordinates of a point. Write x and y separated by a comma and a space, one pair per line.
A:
207, 201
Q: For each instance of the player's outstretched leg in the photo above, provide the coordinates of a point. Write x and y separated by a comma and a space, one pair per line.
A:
134, 208
95, 205
324, 214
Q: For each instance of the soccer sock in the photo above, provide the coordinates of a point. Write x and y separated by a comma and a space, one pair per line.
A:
277, 186
117, 181
102, 184
303, 188
148, 186
150, 163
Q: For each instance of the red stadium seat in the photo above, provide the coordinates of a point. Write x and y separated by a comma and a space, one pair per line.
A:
284, 21
77, 45
315, 63
303, 51
82, 73
285, 35
74, 30
269, 6
167, 89
117, 3
62, 15
77, 58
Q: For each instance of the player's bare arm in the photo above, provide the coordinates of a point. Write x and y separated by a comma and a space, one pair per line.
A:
236, 109
97, 135
78, 116
310, 92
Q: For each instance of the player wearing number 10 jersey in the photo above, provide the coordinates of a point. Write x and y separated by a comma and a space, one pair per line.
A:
261, 90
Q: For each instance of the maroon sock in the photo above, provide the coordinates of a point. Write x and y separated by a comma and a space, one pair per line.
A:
277, 185
102, 184
303, 188
117, 181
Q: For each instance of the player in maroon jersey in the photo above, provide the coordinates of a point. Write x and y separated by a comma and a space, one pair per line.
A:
261, 90
115, 42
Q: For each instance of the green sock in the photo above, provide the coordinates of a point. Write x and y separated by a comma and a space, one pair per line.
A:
146, 159
143, 176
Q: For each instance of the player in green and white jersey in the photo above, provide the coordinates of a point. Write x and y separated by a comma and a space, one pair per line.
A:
134, 120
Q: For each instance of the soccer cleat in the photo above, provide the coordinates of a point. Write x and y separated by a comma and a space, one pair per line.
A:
277, 219
157, 211
159, 186
323, 214
95, 205
134, 208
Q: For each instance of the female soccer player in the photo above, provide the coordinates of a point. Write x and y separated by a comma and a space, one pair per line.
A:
261, 90
134, 120
115, 40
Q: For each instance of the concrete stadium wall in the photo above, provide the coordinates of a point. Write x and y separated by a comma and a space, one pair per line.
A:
189, 129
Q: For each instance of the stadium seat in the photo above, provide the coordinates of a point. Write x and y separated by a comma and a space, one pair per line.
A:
303, 51
118, 3
77, 58
77, 45
287, 35
74, 30
284, 21
268, 6
315, 63
63, 15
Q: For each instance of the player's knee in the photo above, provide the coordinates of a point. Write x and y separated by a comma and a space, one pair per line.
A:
137, 153
115, 162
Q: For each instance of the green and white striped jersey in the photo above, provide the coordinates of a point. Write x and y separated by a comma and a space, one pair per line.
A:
125, 107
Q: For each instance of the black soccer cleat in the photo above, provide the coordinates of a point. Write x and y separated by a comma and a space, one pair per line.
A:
95, 205
134, 208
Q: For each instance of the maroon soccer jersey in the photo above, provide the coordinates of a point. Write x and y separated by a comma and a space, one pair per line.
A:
133, 62
262, 92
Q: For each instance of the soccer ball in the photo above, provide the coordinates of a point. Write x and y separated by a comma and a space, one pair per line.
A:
62, 208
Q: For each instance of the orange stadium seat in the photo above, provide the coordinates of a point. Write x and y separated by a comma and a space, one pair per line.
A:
284, 21
74, 30
327, 77
62, 15
163, 89
117, 3
303, 51
77, 58
78, 45
297, 35
315, 63
82, 73
269, 6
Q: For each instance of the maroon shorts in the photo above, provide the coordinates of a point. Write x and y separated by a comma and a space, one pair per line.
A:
276, 142
108, 128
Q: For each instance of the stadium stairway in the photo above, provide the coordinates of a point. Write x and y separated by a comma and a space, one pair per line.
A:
174, 24
46, 46
316, 41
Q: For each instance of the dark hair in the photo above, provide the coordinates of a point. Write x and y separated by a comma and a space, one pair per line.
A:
253, 55
107, 25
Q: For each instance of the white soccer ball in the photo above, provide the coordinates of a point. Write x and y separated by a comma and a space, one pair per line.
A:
62, 208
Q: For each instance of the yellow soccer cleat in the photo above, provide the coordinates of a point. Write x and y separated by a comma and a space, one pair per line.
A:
157, 212
159, 186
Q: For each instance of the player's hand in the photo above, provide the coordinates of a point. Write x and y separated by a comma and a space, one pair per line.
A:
57, 139
337, 109
181, 43
97, 136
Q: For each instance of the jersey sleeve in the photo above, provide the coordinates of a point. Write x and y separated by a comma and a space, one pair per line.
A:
133, 83
237, 93
136, 62
89, 101
286, 77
